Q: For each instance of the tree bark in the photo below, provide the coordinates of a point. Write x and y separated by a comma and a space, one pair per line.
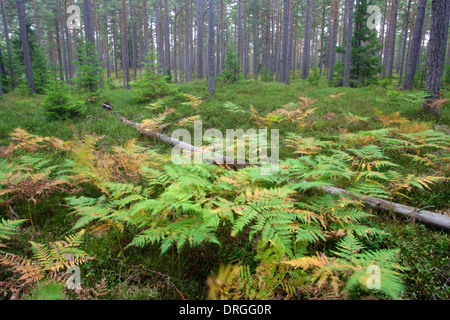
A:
322, 39
255, 40
348, 49
159, 41
405, 36
133, 43
285, 41
413, 51
145, 21
167, 61
25, 45
125, 56
200, 39
288, 67
8, 39
211, 49
239, 33
187, 44
333, 40
305, 58
436, 50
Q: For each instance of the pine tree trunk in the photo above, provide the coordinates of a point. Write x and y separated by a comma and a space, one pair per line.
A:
392, 40
405, 36
108, 63
287, 80
199, 39
125, 56
187, 60
8, 40
285, 41
305, 60
175, 45
211, 47
348, 49
413, 51
145, 21
255, 40
245, 42
277, 59
221, 47
159, 41
167, 37
387, 39
333, 40
322, 39
25, 45
436, 51
63, 41
133, 43
38, 31
58, 49
2, 73
191, 40
115, 46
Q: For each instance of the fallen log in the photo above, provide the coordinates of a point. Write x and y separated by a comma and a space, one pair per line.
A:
427, 217
217, 159
107, 106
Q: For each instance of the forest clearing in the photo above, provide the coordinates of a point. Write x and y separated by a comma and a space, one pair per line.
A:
224, 150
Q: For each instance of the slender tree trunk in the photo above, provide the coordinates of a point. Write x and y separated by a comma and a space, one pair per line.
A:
8, 41
405, 36
322, 38
436, 50
390, 66
277, 60
125, 56
89, 31
175, 45
2, 73
383, 25
287, 80
108, 63
348, 49
115, 46
305, 62
38, 31
387, 40
167, 37
58, 49
133, 43
191, 40
145, 21
25, 45
187, 51
211, 49
239, 33
333, 40
413, 52
199, 39
63, 41
285, 40
245, 41
255, 40
159, 41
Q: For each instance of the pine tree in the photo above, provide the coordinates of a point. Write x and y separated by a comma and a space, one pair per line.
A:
25, 46
364, 55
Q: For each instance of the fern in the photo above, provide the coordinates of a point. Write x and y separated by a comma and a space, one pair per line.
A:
9, 228
350, 265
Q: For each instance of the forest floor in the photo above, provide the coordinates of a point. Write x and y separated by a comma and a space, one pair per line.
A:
424, 251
